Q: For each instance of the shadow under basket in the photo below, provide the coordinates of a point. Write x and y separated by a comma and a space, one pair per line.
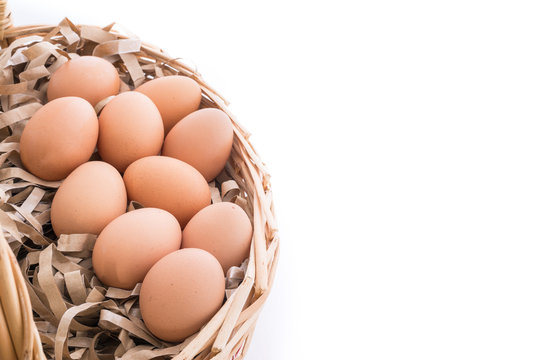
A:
52, 306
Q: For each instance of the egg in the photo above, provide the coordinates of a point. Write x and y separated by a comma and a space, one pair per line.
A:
202, 139
224, 230
60, 136
169, 184
181, 293
175, 96
89, 77
130, 128
129, 245
89, 198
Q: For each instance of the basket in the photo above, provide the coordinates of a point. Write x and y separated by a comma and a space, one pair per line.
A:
26, 240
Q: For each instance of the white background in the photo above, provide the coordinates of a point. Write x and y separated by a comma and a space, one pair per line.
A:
403, 142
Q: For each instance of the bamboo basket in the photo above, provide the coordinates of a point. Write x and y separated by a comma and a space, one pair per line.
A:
26, 240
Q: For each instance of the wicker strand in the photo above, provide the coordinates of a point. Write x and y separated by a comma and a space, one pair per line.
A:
5, 18
15, 303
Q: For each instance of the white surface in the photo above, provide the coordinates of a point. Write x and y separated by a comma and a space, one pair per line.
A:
403, 141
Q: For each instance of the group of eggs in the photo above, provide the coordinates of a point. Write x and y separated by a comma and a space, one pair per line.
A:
179, 245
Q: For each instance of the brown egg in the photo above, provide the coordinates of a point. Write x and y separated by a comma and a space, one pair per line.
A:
89, 77
224, 230
175, 97
169, 184
128, 246
181, 293
202, 139
130, 128
59, 137
89, 198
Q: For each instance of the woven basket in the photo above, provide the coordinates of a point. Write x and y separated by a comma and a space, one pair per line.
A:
24, 202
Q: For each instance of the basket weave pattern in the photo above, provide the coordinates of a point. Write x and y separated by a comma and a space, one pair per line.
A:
25, 199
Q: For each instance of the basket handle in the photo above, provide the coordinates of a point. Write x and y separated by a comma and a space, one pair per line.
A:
5, 18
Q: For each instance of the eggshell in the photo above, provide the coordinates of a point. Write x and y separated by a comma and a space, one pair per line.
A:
130, 128
60, 136
224, 230
175, 97
129, 245
181, 293
89, 77
169, 184
202, 139
88, 199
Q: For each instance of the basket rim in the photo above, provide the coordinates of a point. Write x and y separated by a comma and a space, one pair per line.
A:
237, 323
